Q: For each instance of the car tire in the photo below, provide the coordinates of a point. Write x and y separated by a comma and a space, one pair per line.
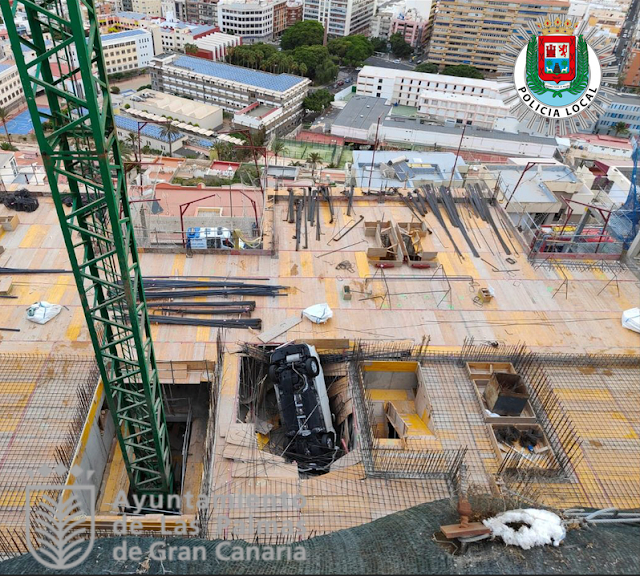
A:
312, 367
273, 375
327, 441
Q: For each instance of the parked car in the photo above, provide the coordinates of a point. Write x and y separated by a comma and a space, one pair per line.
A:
301, 392
396, 61
340, 83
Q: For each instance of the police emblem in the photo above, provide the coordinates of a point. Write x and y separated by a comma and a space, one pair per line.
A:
557, 73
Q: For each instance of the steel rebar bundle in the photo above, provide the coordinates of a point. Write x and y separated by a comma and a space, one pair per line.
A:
217, 323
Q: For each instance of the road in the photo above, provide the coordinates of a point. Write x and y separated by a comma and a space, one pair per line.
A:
389, 62
626, 32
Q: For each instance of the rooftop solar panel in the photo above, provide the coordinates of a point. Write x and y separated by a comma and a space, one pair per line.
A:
265, 80
150, 130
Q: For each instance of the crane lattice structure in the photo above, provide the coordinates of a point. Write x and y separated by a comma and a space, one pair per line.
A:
83, 150
625, 221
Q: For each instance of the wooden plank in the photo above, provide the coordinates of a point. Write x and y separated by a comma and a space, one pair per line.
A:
278, 329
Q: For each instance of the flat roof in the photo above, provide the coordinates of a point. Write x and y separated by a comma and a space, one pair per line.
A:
361, 112
532, 187
464, 98
414, 124
124, 34
132, 15
428, 77
4, 67
265, 80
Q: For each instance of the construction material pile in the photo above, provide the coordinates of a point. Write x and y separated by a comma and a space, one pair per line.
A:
170, 298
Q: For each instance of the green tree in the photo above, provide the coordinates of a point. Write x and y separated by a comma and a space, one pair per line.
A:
170, 132
399, 46
4, 116
223, 151
621, 128
278, 148
351, 50
318, 100
314, 159
326, 72
428, 67
115, 89
463, 70
379, 44
132, 143
190, 48
303, 33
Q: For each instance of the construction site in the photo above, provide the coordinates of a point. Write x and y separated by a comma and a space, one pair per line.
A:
362, 350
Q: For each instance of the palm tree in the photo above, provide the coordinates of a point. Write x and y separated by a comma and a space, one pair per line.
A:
278, 148
314, 159
4, 116
168, 131
132, 142
621, 128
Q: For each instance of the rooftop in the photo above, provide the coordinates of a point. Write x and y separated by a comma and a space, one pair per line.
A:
4, 67
440, 78
264, 80
471, 131
150, 130
361, 112
132, 15
115, 36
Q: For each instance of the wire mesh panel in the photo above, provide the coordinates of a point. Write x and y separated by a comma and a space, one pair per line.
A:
44, 401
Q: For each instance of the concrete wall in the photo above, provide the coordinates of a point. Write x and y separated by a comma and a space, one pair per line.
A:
93, 449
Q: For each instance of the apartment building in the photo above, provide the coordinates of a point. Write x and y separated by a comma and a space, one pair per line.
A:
472, 31
167, 35
380, 26
479, 111
415, 24
257, 99
623, 108
127, 50
341, 17
215, 46
174, 36
149, 7
11, 93
404, 87
253, 20
201, 11
294, 11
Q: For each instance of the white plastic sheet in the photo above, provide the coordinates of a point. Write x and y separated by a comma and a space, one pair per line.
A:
318, 313
631, 319
42, 312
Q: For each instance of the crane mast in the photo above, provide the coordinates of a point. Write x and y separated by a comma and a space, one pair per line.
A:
98, 233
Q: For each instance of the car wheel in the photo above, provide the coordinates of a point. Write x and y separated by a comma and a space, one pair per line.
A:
273, 375
312, 367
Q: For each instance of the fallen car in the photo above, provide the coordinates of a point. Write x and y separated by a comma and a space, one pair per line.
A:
304, 408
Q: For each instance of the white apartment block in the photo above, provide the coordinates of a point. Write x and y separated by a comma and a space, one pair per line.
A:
341, 17
479, 111
11, 93
174, 36
149, 7
404, 87
252, 20
127, 50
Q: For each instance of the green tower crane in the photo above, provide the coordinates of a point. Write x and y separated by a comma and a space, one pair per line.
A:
98, 232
